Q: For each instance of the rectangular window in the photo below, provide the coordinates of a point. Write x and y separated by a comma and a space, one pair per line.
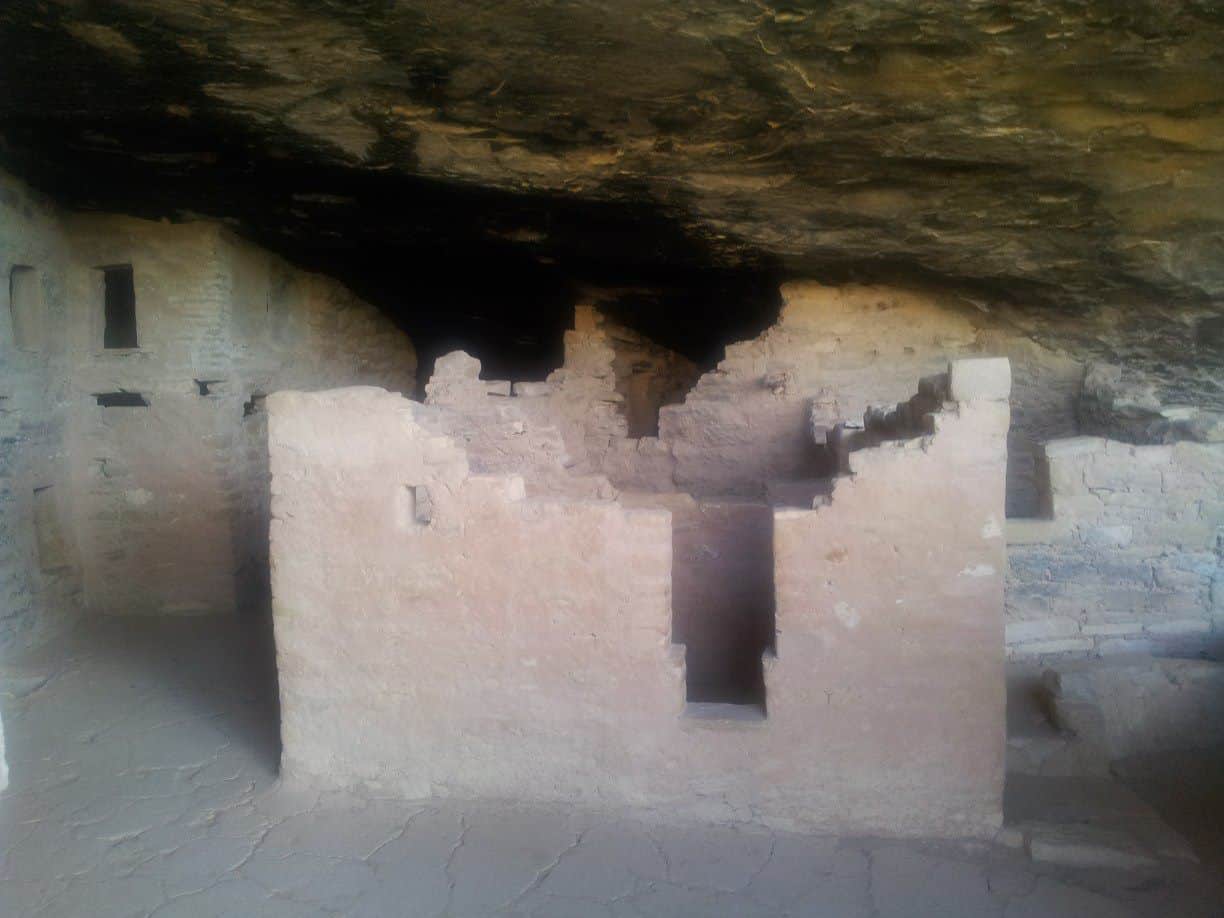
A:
25, 307
120, 331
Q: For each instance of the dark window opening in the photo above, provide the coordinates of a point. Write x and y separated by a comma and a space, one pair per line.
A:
723, 605
121, 400
1210, 333
120, 330
204, 384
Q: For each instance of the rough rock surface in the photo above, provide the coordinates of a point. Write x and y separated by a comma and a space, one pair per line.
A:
1061, 153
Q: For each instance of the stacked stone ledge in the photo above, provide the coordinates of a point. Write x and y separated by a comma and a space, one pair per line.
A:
1129, 560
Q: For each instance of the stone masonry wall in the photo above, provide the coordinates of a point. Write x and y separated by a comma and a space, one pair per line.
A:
610, 391
39, 563
441, 632
1130, 559
160, 507
580, 420
172, 497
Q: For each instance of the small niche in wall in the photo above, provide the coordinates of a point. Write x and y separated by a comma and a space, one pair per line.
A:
205, 385
26, 307
121, 400
120, 307
1209, 333
415, 507
254, 405
49, 540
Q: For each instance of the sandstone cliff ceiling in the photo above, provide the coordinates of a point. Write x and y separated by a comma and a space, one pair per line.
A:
1063, 158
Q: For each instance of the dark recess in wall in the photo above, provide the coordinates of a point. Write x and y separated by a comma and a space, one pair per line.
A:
120, 330
121, 400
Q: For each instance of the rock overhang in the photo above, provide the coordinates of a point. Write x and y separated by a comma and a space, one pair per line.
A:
1059, 162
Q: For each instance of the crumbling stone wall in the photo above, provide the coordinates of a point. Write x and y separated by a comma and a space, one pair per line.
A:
158, 504
754, 429
442, 632
835, 352
580, 419
1130, 556
502, 433
610, 390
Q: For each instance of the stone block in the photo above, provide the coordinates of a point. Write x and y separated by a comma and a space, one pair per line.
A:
1085, 846
1041, 648
456, 365
1021, 632
1111, 629
1037, 531
533, 389
1169, 577
1030, 564
1118, 646
979, 379
1077, 506
1079, 568
1117, 536
1178, 627
1122, 474
1074, 447
1179, 605
1136, 704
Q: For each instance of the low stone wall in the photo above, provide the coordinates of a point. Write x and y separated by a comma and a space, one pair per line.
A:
1130, 557
444, 633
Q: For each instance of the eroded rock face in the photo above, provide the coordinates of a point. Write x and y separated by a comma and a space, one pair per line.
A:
1065, 155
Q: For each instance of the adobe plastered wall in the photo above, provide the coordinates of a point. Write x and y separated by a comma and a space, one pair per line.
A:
1130, 559
440, 632
171, 498
39, 571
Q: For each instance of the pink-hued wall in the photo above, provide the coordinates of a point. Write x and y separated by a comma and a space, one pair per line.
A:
443, 632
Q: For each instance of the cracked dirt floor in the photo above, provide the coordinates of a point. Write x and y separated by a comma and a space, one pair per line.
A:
143, 783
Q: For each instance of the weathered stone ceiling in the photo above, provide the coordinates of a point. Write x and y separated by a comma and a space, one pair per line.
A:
1055, 153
